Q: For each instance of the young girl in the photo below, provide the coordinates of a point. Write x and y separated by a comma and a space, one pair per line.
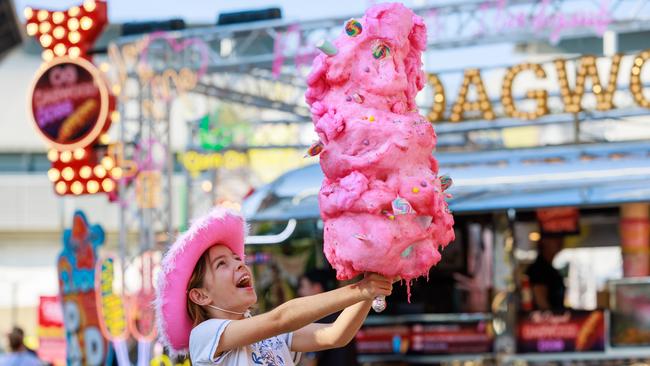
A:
205, 290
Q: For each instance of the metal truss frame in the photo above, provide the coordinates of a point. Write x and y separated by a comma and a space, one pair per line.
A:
455, 24
261, 66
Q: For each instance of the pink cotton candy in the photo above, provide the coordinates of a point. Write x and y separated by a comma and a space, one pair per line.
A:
378, 149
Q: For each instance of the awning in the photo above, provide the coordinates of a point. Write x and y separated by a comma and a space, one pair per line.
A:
576, 175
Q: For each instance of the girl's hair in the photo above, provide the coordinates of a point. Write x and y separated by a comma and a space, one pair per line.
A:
195, 311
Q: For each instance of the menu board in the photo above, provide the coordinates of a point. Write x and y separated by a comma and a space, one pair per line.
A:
426, 338
451, 338
568, 331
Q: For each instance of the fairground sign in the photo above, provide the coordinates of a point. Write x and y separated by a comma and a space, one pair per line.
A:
586, 70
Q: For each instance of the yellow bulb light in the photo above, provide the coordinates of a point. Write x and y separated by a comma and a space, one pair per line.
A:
108, 185
85, 172
74, 37
99, 171
60, 49
67, 173
52, 155
65, 156
73, 11
89, 5
42, 15
92, 186
77, 188
53, 174
108, 162
57, 17
74, 52
73, 24
61, 188
58, 32
32, 29
86, 23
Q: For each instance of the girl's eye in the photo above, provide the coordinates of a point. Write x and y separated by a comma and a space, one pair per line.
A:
237, 258
220, 263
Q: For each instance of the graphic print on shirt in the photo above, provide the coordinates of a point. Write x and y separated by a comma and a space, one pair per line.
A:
263, 352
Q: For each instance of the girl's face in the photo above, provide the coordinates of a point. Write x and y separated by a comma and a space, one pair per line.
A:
228, 280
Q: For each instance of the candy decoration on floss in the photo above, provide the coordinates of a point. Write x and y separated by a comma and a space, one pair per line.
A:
445, 182
353, 28
327, 47
361, 237
407, 251
315, 149
358, 98
402, 207
380, 51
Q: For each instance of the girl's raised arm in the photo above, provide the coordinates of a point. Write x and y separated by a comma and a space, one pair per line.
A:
297, 313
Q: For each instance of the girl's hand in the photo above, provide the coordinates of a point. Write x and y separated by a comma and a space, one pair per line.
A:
373, 285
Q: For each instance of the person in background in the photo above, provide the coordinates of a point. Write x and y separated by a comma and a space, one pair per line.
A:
20, 355
314, 282
546, 282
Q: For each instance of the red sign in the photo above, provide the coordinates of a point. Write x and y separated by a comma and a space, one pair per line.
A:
451, 338
571, 331
51, 335
383, 339
423, 338
558, 220
67, 33
70, 103
50, 313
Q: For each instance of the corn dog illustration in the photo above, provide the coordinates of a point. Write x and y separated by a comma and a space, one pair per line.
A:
587, 335
75, 124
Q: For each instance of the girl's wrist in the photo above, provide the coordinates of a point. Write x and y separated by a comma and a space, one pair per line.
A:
358, 292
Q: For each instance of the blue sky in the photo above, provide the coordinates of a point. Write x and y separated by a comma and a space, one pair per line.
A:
206, 10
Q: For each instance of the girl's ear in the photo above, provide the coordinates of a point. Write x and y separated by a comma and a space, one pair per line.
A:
198, 296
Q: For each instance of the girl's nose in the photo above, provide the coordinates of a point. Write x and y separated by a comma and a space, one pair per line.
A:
240, 265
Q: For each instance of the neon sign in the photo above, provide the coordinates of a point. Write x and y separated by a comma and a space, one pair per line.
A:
163, 82
69, 103
122, 314
196, 162
545, 19
69, 100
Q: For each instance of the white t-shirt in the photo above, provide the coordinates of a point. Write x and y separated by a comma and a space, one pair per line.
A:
274, 351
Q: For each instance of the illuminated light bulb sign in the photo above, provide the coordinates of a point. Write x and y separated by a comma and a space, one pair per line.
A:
71, 32
571, 96
69, 100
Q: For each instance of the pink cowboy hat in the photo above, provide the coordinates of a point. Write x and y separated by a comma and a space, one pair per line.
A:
220, 226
